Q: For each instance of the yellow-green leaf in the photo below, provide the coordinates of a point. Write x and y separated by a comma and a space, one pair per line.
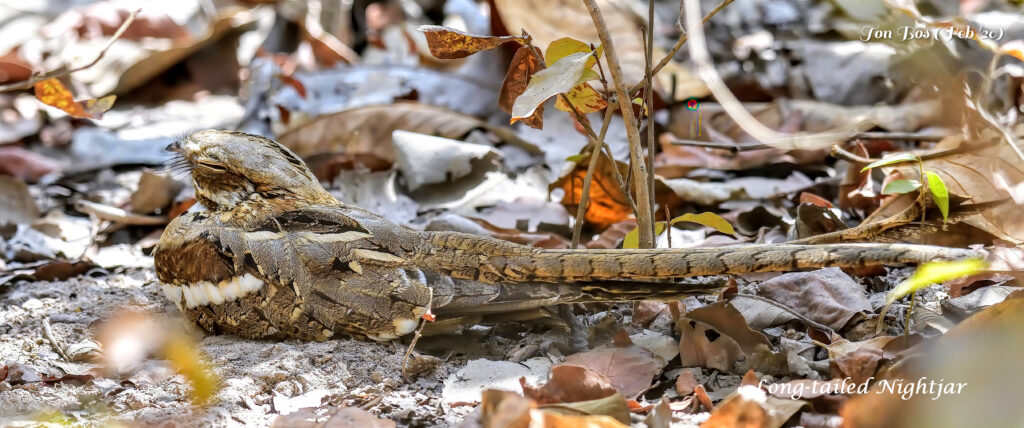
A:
939, 193
561, 48
901, 186
632, 239
934, 273
588, 75
708, 219
889, 160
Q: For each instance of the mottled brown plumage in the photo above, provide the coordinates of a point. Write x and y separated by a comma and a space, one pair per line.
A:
268, 253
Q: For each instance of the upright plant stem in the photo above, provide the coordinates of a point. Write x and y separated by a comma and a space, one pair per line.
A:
595, 154
649, 109
636, 155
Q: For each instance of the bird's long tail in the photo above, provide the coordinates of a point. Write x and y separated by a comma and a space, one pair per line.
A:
489, 260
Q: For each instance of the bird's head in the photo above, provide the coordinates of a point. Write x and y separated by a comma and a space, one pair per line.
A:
231, 167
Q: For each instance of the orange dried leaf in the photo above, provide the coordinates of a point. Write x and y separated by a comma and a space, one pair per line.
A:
584, 97
607, 203
449, 43
53, 93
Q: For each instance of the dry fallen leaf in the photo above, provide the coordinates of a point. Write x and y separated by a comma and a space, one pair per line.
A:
449, 43
26, 165
568, 384
607, 204
367, 130
828, 296
53, 93
629, 369
524, 65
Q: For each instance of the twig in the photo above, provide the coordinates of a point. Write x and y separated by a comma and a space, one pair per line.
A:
903, 136
747, 122
724, 146
636, 156
843, 154
863, 232
118, 215
679, 44
649, 107
595, 154
416, 336
58, 73
50, 337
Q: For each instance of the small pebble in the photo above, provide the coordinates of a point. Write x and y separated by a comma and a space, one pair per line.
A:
32, 304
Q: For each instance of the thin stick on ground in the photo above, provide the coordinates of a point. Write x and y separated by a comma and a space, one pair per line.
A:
58, 73
638, 167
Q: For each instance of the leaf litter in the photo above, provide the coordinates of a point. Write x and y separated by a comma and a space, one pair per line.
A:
411, 119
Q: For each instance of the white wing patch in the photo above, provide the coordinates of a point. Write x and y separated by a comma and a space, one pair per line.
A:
206, 292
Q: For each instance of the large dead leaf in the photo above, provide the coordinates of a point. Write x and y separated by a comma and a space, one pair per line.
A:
630, 369
714, 336
449, 43
828, 296
569, 384
367, 130
724, 318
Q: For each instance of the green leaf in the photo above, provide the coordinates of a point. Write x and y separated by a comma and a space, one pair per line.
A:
708, 219
901, 186
632, 239
939, 193
574, 158
558, 78
934, 273
889, 160
589, 75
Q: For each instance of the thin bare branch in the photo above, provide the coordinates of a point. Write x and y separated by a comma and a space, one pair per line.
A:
706, 70
679, 45
595, 154
18, 86
636, 156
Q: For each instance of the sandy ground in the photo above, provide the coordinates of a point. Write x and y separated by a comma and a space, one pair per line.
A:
260, 379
